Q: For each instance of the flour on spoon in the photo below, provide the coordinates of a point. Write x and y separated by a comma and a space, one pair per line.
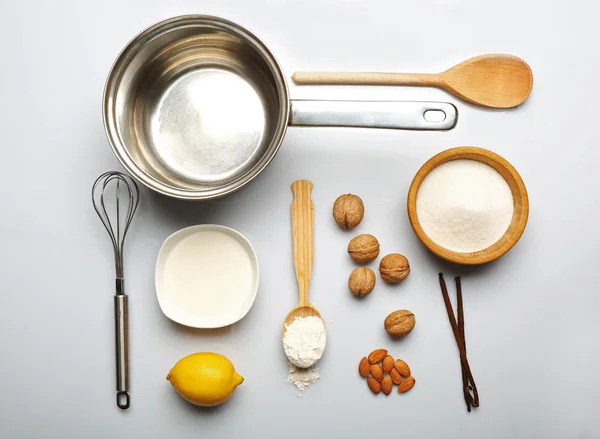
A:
304, 343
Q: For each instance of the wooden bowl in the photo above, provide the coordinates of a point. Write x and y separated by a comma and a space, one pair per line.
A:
520, 199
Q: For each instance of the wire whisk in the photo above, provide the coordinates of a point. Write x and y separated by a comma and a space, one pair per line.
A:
123, 191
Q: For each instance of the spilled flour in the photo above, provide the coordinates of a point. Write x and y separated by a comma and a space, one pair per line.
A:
302, 378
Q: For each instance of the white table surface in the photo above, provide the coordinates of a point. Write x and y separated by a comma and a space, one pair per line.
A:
531, 317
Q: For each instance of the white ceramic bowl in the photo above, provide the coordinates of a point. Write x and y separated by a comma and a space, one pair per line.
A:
206, 276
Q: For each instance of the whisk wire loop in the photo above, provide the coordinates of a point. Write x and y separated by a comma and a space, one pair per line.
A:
126, 191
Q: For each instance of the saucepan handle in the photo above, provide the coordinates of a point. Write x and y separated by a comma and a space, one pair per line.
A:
405, 115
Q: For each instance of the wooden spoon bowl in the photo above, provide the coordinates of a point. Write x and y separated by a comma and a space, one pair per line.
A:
496, 81
520, 201
300, 311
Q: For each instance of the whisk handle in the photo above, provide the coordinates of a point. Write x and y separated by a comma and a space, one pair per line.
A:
122, 349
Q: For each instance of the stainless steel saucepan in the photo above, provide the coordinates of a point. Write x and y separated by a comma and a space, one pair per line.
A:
196, 106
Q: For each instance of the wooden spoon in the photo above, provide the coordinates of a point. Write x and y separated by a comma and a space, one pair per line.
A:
496, 80
303, 220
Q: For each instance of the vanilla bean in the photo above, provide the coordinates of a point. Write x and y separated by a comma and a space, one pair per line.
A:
471, 394
469, 388
461, 328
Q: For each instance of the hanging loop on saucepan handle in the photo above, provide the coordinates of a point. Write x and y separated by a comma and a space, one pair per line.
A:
405, 115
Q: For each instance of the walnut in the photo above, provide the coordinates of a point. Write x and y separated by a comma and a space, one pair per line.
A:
362, 281
399, 323
363, 248
394, 268
348, 211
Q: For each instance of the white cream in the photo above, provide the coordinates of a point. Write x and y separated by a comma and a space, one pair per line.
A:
206, 276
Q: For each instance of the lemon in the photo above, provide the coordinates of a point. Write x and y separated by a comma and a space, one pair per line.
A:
204, 378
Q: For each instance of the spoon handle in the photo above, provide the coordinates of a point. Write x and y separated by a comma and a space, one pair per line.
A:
366, 78
303, 220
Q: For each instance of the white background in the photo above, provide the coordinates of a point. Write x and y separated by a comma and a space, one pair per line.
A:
531, 318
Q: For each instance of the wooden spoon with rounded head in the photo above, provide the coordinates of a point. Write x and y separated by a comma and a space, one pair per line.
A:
495, 80
303, 220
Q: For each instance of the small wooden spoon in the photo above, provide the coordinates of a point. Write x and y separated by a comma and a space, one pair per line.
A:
303, 220
496, 80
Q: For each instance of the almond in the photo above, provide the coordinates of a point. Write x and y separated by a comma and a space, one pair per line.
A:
388, 364
374, 385
396, 377
386, 385
364, 367
377, 372
406, 385
402, 367
377, 355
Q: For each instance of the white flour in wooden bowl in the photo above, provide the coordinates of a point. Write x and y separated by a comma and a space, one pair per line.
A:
464, 205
